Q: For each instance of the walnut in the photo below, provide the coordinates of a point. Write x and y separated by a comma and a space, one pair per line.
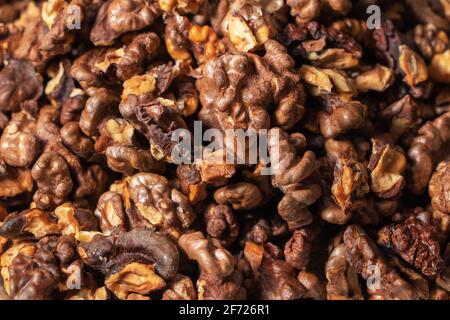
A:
20, 83
378, 78
341, 114
135, 277
423, 150
146, 248
31, 224
222, 225
52, 176
214, 261
179, 288
19, 145
117, 17
241, 196
158, 204
364, 256
438, 189
342, 278
415, 242
248, 24
242, 85
438, 68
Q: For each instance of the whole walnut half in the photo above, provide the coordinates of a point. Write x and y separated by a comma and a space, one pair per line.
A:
19, 83
117, 17
236, 90
53, 179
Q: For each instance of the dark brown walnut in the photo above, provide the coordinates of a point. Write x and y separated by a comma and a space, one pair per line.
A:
118, 142
214, 169
61, 85
158, 122
366, 259
53, 179
288, 164
257, 231
414, 240
130, 160
97, 109
47, 128
418, 281
315, 287
110, 213
35, 276
211, 287
297, 249
392, 50
180, 287
325, 47
14, 183
309, 10
61, 26
430, 40
289, 168
19, 145
222, 225
241, 196
89, 76
343, 283
236, 90
20, 83
386, 165
439, 188
341, 114
29, 224
117, 17
176, 37
90, 181
213, 261
426, 12
130, 60
74, 139
73, 106
293, 207
111, 254
424, 149
191, 183
277, 281
403, 114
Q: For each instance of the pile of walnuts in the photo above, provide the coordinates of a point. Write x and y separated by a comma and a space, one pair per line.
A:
93, 205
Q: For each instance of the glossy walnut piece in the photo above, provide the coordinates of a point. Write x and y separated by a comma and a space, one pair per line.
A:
424, 149
215, 261
290, 168
117, 17
365, 257
52, 175
415, 241
439, 188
